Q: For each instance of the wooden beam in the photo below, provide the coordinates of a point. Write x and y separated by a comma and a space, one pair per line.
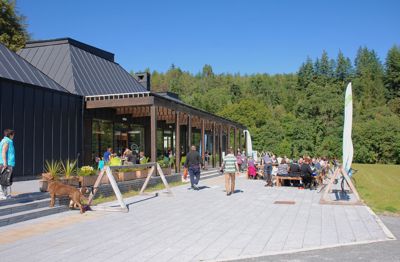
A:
153, 133
228, 138
214, 146
177, 143
189, 132
131, 101
220, 145
203, 147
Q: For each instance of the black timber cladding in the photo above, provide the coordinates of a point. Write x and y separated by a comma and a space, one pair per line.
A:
80, 68
13, 67
46, 118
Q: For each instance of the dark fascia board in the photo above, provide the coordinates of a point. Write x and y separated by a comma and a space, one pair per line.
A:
60, 41
202, 112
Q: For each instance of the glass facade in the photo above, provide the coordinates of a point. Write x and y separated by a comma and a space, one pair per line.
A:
116, 135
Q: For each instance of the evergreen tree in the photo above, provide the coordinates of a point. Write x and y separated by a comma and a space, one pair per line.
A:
305, 74
343, 67
392, 72
13, 32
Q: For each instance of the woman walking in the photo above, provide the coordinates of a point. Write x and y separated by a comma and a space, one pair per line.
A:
230, 167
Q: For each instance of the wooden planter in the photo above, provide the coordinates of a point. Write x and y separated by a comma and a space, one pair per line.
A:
71, 181
87, 180
141, 173
126, 176
105, 180
166, 171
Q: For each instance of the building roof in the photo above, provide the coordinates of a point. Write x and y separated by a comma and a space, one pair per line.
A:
13, 67
80, 68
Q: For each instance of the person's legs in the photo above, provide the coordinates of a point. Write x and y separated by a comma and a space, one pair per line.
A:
233, 177
192, 177
269, 175
227, 179
197, 176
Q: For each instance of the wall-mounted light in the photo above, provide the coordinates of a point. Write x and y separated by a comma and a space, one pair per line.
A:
124, 119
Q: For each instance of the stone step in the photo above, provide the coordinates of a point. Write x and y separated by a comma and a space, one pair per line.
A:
24, 198
31, 214
21, 207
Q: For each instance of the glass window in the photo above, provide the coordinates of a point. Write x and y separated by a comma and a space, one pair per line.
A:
102, 136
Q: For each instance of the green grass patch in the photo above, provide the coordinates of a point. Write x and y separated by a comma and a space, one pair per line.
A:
157, 187
378, 186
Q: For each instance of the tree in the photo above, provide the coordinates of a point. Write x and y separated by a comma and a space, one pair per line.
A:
392, 72
323, 66
343, 68
306, 73
207, 71
13, 32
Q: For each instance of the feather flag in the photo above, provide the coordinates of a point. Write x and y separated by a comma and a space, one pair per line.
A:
348, 120
249, 145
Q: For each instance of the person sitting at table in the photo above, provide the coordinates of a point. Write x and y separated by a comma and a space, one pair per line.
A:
283, 168
306, 173
251, 169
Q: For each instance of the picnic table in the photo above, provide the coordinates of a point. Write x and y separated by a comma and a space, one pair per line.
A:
281, 179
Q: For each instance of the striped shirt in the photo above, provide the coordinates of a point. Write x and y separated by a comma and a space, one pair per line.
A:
229, 163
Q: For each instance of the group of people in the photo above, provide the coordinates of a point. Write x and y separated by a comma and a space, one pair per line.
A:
127, 158
306, 168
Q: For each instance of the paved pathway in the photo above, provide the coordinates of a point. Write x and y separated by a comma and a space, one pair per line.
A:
193, 226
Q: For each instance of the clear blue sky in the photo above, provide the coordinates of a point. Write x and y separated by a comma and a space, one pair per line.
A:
233, 36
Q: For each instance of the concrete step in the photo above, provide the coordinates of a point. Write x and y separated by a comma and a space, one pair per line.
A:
24, 198
31, 214
21, 207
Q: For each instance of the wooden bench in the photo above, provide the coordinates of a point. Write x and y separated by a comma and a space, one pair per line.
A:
280, 179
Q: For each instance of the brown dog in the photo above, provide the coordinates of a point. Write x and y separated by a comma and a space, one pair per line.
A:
59, 189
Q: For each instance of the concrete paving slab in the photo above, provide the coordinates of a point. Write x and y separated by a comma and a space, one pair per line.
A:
196, 225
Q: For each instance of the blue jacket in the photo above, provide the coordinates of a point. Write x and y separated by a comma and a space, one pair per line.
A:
10, 152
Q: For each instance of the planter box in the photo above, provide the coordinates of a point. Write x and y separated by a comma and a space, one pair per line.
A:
87, 180
71, 181
105, 180
166, 171
142, 173
126, 176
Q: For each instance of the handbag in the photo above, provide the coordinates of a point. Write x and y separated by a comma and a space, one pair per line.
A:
6, 177
185, 173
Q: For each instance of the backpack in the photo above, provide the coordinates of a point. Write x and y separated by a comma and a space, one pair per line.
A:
6, 177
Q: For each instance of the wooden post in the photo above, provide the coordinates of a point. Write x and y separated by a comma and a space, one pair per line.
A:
214, 146
220, 145
240, 140
203, 147
235, 141
177, 143
153, 133
189, 132
228, 138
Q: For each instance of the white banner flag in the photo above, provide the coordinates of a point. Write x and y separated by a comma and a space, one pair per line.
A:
348, 120
249, 145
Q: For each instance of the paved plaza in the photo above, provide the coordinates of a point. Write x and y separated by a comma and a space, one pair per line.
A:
195, 226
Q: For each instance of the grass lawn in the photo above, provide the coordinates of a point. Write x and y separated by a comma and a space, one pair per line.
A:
159, 186
378, 186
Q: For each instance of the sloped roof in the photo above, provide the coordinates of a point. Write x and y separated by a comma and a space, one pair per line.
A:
80, 68
15, 68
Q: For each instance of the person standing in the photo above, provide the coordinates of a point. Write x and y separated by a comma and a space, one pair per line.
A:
267, 169
107, 156
239, 160
230, 167
193, 164
7, 158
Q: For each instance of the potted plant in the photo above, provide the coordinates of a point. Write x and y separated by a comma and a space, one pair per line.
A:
87, 176
53, 168
69, 169
165, 166
143, 171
